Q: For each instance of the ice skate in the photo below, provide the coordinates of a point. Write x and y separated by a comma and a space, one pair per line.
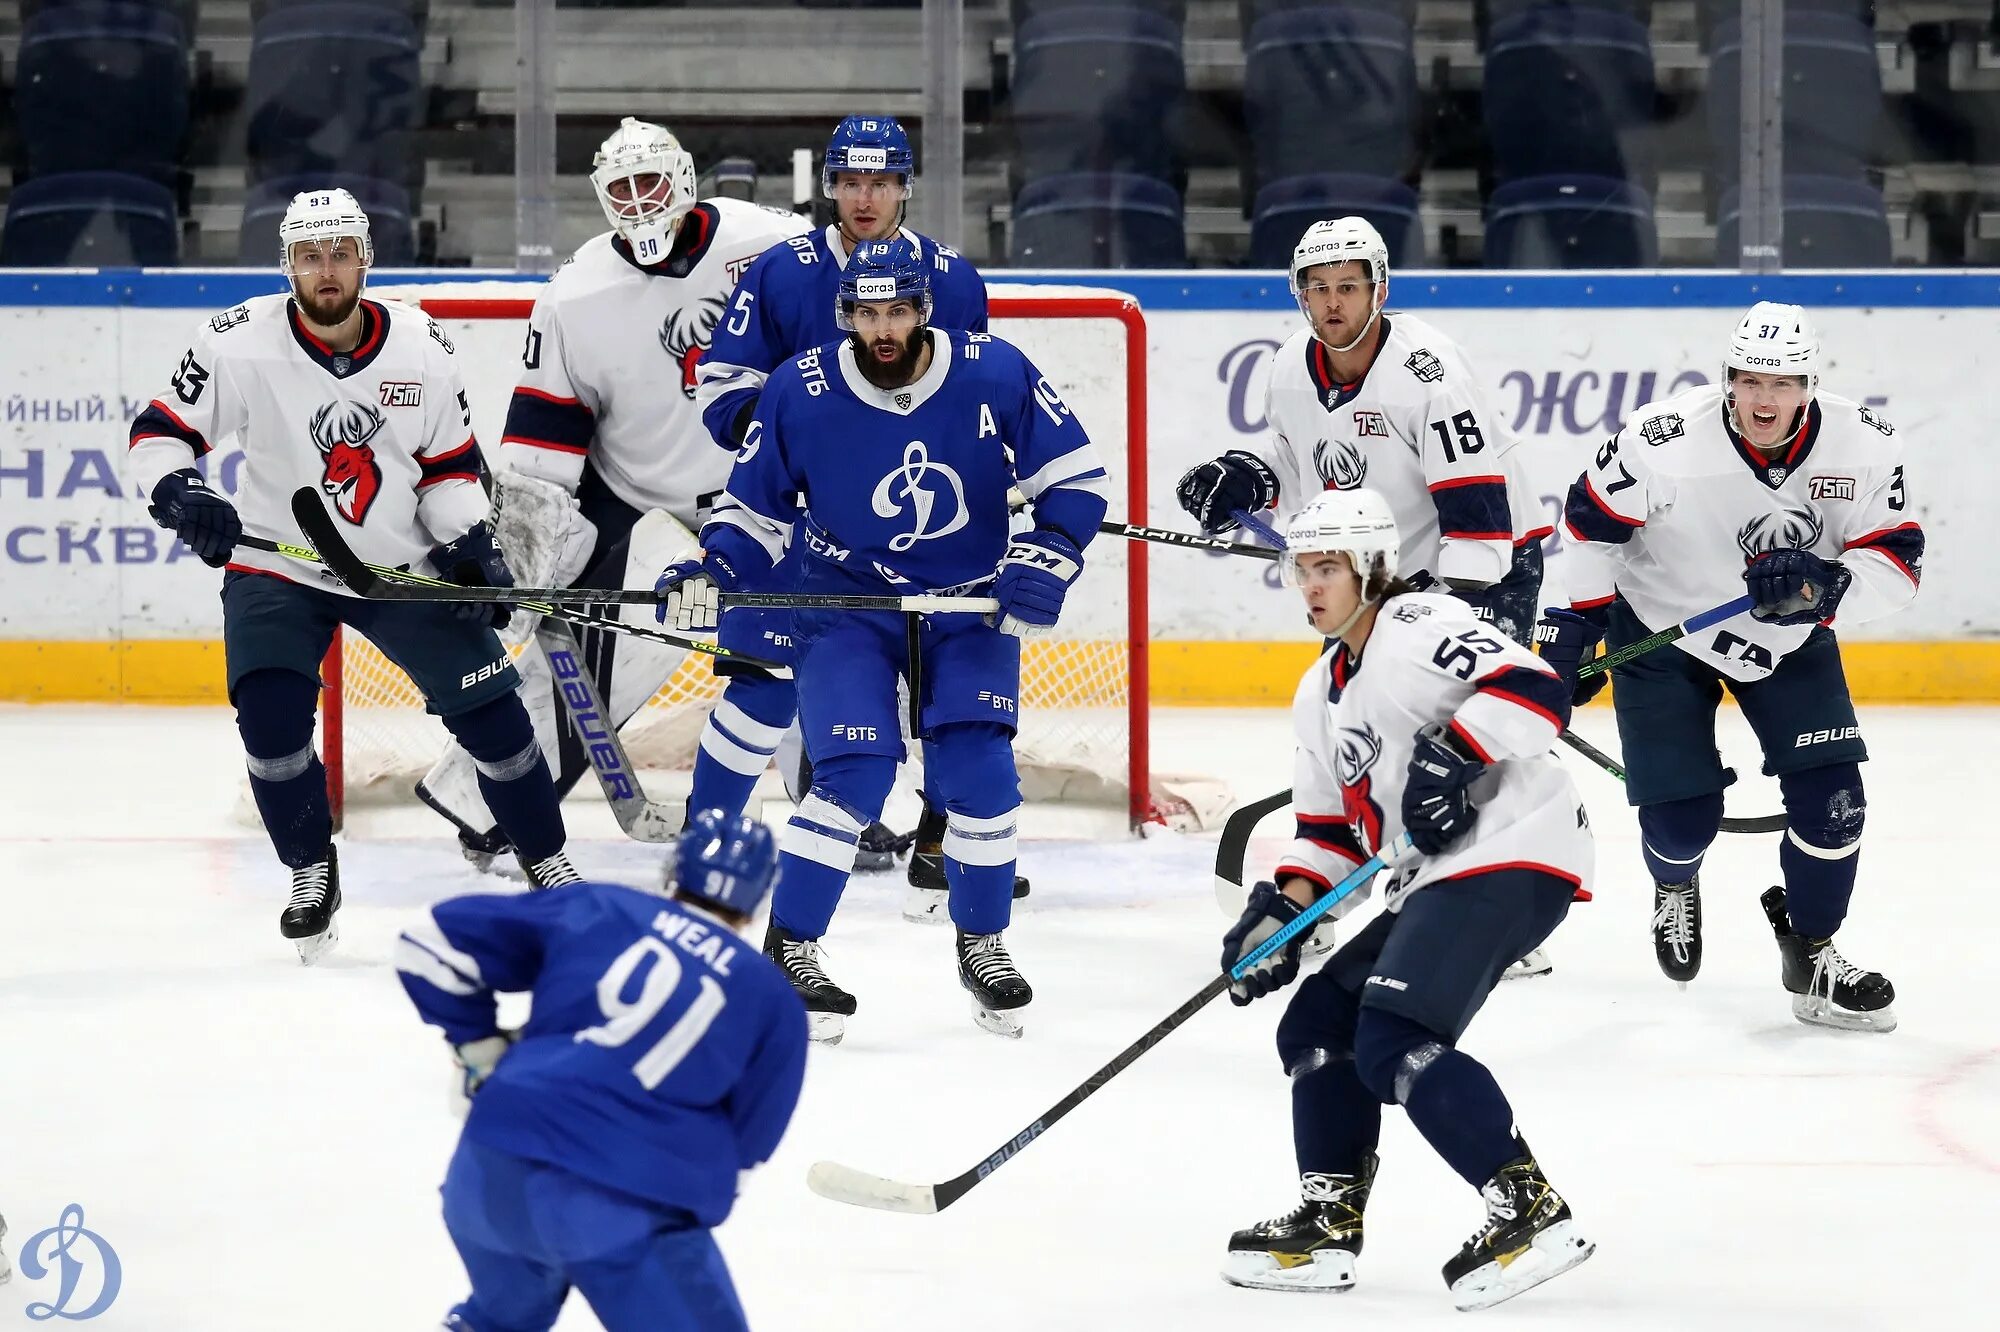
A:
1677, 929
1827, 990
998, 989
1527, 1238
878, 848
552, 872
929, 898
827, 1005
1536, 963
308, 918
1313, 1246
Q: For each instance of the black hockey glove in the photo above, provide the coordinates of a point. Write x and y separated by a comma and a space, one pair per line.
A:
1437, 797
1267, 912
1218, 487
474, 560
206, 522
1568, 640
1795, 587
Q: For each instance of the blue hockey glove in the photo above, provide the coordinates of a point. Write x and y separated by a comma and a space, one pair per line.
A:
1034, 576
1236, 480
688, 590
1568, 639
1795, 587
1267, 912
206, 522
1437, 795
474, 560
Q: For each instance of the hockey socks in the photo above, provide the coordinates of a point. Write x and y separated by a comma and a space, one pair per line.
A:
514, 778
1821, 853
1449, 1096
274, 716
738, 740
819, 843
1675, 835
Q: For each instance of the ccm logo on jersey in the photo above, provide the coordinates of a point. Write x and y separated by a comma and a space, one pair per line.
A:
1826, 736
401, 393
1000, 701
1833, 487
486, 672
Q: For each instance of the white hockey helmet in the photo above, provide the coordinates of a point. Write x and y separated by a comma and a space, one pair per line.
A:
640, 148
1772, 339
1357, 523
1337, 240
323, 215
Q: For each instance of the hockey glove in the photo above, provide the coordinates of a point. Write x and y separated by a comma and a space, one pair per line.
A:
476, 1062
689, 589
1033, 578
1236, 480
1437, 795
474, 560
1795, 587
206, 522
1267, 912
1568, 640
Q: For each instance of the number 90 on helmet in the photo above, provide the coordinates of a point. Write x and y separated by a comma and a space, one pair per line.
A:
727, 861
658, 176
880, 271
1356, 523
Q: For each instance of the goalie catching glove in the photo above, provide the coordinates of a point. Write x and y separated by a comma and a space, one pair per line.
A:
1034, 577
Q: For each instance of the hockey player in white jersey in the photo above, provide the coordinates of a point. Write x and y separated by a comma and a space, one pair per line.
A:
604, 466
1766, 482
361, 400
1419, 718
1362, 397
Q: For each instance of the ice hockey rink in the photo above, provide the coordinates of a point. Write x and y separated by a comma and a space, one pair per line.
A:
261, 1143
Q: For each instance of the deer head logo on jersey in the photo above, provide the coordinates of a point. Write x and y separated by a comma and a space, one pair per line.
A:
341, 431
686, 334
1793, 529
907, 483
1342, 466
1354, 754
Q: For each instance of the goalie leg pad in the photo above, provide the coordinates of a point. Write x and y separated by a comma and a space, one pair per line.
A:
514, 777
274, 717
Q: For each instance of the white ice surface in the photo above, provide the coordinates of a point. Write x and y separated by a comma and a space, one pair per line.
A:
262, 1142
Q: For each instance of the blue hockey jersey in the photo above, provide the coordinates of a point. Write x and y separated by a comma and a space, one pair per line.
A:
664, 1053
784, 306
905, 490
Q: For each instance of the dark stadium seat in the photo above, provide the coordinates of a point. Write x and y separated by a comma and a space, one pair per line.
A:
1098, 89
90, 219
1020, 11
1332, 88
386, 203
1099, 220
102, 85
1485, 13
1830, 222
1832, 94
1566, 90
1285, 208
333, 87
1570, 222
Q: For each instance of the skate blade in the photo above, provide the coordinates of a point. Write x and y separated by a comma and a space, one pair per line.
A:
826, 1028
1536, 963
1000, 1023
1329, 1271
874, 862
1549, 1254
927, 906
1819, 1011
317, 946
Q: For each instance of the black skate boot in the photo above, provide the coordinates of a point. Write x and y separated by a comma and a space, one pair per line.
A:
308, 917
878, 848
1677, 929
1827, 990
998, 989
1311, 1247
827, 1005
553, 872
1528, 1237
930, 892
480, 849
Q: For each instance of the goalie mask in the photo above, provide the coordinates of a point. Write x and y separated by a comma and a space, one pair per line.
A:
1336, 241
653, 177
323, 216
1772, 339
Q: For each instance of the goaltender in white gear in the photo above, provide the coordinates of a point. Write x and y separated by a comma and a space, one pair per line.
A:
605, 469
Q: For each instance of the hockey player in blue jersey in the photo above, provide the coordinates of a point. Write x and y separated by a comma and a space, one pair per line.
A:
903, 441
784, 306
605, 1138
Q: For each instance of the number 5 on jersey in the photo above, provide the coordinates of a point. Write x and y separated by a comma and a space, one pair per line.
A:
626, 1019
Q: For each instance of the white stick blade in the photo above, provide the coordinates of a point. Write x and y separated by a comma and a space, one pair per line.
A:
830, 1179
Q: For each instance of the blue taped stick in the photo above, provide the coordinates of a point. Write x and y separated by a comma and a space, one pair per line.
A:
1250, 522
1346, 888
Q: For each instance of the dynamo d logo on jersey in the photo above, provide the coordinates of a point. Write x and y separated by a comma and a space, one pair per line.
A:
341, 431
1794, 529
686, 336
87, 1272
1341, 466
907, 483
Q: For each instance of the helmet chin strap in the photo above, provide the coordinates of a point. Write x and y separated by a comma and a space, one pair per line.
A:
1359, 606
1374, 312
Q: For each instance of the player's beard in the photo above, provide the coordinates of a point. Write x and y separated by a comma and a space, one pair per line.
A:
891, 374
328, 312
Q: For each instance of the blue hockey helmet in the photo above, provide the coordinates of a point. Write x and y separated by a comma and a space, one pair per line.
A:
885, 270
728, 862
868, 143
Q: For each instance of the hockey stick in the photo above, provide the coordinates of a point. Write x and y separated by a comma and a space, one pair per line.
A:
1250, 522
641, 819
1763, 823
1166, 536
830, 1179
377, 588
1694, 624
331, 549
1234, 846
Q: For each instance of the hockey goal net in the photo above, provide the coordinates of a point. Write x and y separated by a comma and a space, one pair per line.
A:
1083, 705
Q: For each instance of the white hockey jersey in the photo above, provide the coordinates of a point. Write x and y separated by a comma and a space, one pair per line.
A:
1418, 429
1674, 506
612, 359
382, 431
1429, 659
